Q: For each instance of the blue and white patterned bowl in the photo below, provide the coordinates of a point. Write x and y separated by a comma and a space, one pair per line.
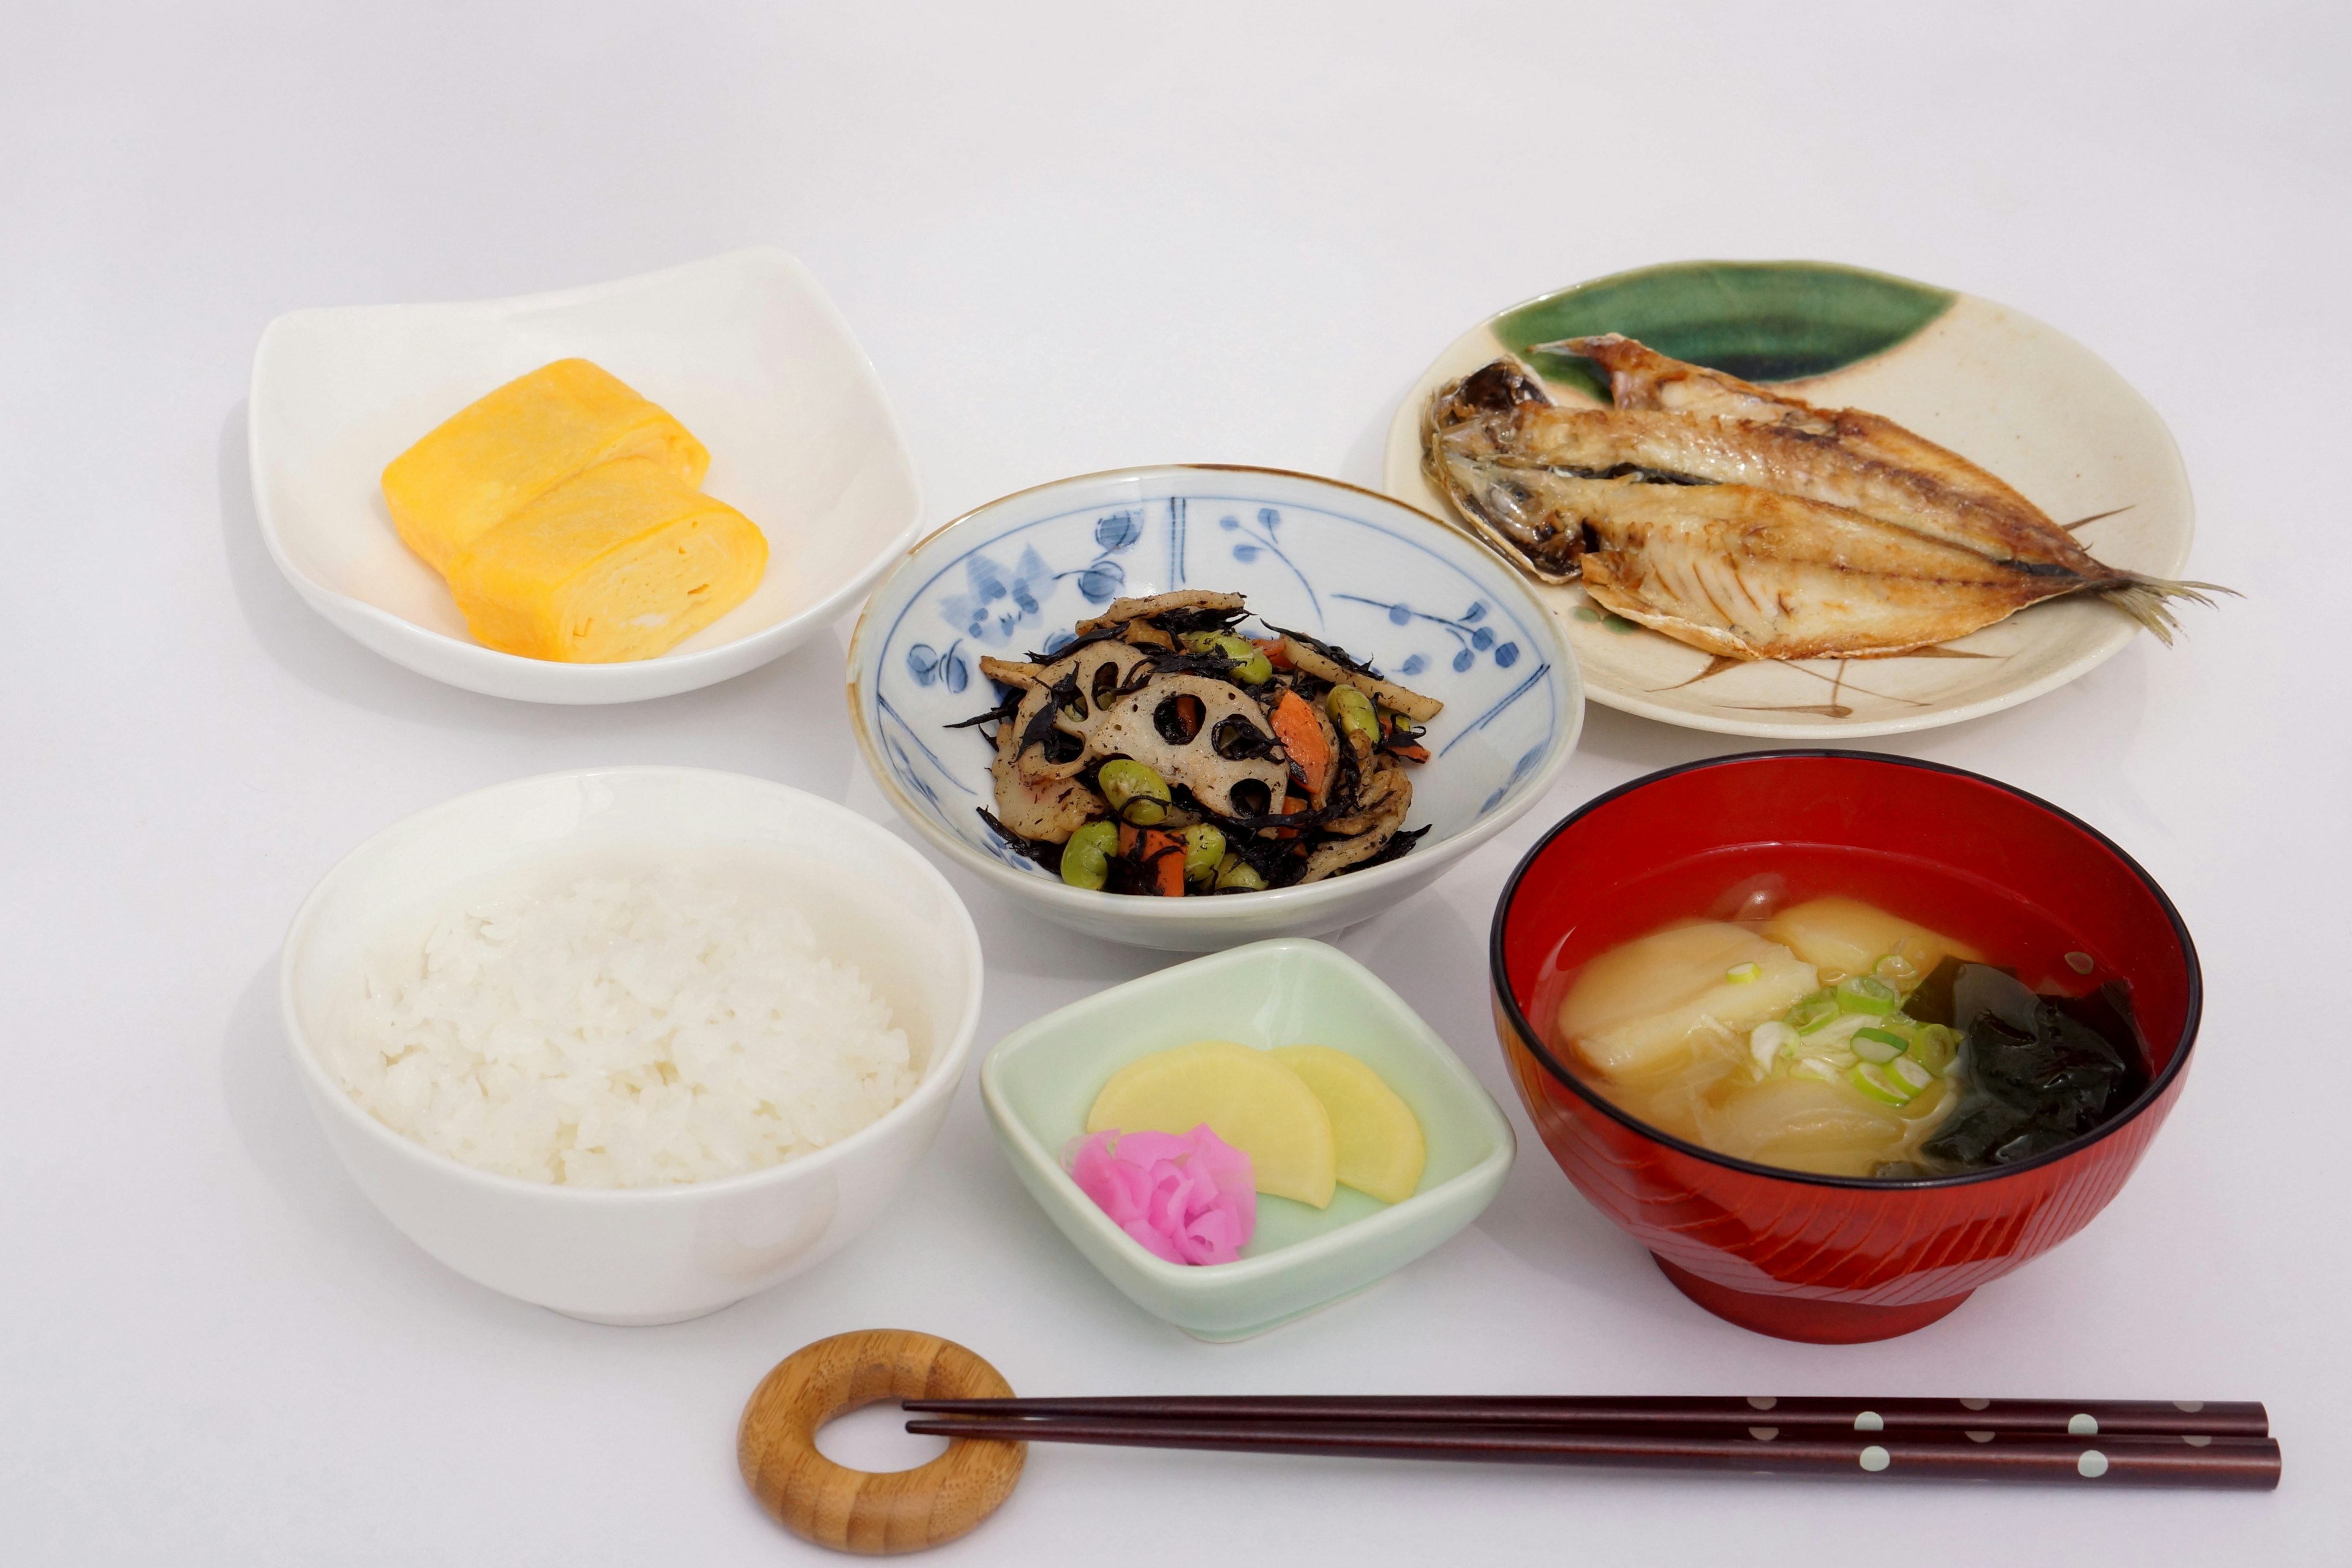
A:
1426, 604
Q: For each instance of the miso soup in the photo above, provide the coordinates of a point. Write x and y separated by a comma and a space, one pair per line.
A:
1831, 1036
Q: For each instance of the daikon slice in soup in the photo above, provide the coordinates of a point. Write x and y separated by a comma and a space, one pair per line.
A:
1835, 1038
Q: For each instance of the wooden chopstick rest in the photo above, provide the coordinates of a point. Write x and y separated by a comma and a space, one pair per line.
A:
858, 1510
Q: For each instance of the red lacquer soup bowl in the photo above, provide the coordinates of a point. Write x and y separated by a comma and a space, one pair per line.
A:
1827, 1258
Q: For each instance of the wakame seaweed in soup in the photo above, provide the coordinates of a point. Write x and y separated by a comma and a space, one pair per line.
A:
2039, 1071
1833, 1037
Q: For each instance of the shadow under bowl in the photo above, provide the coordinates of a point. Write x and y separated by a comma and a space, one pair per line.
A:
1831, 1260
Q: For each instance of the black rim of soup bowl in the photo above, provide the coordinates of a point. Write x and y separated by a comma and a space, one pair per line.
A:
2159, 1083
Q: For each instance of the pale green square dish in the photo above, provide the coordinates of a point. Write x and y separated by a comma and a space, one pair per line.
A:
1039, 1081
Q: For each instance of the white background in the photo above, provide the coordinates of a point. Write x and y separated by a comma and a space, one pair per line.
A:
1075, 237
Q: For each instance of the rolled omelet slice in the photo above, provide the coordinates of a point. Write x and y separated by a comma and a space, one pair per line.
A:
622, 561
507, 448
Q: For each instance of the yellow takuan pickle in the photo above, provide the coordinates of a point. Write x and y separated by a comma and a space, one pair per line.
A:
511, 447
621, 561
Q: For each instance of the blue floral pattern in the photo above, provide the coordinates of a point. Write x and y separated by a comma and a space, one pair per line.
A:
1521, 769
996, 601
1471, 638
927, 664
1266, 539
896, 736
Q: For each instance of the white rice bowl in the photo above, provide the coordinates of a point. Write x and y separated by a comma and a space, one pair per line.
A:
620, 1031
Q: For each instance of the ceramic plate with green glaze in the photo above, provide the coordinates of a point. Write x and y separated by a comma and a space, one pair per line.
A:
2000, 388
1041, 1079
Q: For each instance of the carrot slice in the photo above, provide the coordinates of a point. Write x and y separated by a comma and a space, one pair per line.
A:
1391, 726
1291, 805
1302, 737
1162, 856
1275, 655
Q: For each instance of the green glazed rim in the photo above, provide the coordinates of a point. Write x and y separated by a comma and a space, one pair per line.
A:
1759, 321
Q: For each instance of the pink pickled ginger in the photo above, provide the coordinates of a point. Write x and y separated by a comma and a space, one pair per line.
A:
1188, 1197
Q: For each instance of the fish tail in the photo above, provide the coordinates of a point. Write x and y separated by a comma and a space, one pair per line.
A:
2147, 600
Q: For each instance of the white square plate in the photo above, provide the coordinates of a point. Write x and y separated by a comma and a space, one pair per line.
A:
744, 349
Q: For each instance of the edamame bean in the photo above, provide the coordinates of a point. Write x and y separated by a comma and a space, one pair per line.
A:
1238, 876
1204, 851
1086, 859
1352, 711
1135, 793
1250, 667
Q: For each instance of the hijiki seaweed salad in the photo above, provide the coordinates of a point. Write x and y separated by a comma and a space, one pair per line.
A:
1162, 752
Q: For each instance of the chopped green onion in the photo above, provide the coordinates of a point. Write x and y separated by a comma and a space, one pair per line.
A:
1915, 1077
1768, 1042
1935, 1047
1879, 1045
1741, 973
1865, 994
1812, 1012
1897, 970
1874, 1083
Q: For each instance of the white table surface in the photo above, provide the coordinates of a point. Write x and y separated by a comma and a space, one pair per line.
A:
1072, 238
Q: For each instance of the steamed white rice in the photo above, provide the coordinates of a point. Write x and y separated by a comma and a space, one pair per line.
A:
621, 1032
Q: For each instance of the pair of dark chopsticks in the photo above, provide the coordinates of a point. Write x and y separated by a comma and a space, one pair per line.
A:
2183, 1443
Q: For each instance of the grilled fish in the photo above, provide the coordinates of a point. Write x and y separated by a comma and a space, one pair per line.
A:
1749, 523
1743, 572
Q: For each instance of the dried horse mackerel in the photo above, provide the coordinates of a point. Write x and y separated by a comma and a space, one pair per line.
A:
1750, 524
1162, 752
